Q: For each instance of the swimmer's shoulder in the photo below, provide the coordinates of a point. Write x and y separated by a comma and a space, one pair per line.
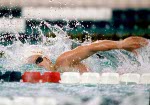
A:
61, 61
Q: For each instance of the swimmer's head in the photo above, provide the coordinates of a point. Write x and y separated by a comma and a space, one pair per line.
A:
38, 57
43, 61
29, 54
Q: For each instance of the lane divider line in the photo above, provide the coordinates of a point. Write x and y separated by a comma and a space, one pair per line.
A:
75, 77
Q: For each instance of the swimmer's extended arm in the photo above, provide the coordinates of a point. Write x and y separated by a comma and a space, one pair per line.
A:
82, 52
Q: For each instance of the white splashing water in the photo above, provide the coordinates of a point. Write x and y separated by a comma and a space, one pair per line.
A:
138, 98
113, 61
52, 47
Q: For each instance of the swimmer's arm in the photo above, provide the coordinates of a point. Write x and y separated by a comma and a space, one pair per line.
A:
105, 45
82, 52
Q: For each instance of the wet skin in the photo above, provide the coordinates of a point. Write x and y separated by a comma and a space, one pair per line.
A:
72, 58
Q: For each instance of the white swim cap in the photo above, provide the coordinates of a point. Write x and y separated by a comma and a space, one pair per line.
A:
32, 50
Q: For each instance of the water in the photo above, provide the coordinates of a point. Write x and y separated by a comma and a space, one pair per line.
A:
80, 94
110, 61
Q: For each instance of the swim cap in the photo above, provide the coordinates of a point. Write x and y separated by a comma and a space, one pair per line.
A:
32, 50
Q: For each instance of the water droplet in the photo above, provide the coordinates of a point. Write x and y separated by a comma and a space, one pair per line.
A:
135, 27
149, 27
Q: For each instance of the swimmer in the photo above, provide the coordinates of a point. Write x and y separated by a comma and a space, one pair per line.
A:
72, 59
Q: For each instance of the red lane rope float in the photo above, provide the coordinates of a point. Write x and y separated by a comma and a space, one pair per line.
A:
33, 77
51, 77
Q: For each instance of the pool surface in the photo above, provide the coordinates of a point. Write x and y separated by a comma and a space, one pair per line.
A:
78, 94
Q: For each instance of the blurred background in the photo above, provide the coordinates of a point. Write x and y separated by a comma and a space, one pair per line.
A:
80, 19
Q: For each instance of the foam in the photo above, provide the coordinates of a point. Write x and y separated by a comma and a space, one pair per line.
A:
23, 101
27, 101
5, 101
45, 101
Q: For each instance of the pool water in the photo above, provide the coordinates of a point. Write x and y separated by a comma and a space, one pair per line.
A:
77, 94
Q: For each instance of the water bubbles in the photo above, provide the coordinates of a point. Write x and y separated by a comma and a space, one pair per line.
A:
10, 16
77, 24
15, 52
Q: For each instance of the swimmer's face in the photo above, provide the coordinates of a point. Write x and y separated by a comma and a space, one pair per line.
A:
40, 61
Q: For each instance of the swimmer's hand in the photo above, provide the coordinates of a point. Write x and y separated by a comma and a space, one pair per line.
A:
133, 43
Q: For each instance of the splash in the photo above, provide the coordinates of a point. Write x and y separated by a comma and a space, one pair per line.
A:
120, 61
52, 47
